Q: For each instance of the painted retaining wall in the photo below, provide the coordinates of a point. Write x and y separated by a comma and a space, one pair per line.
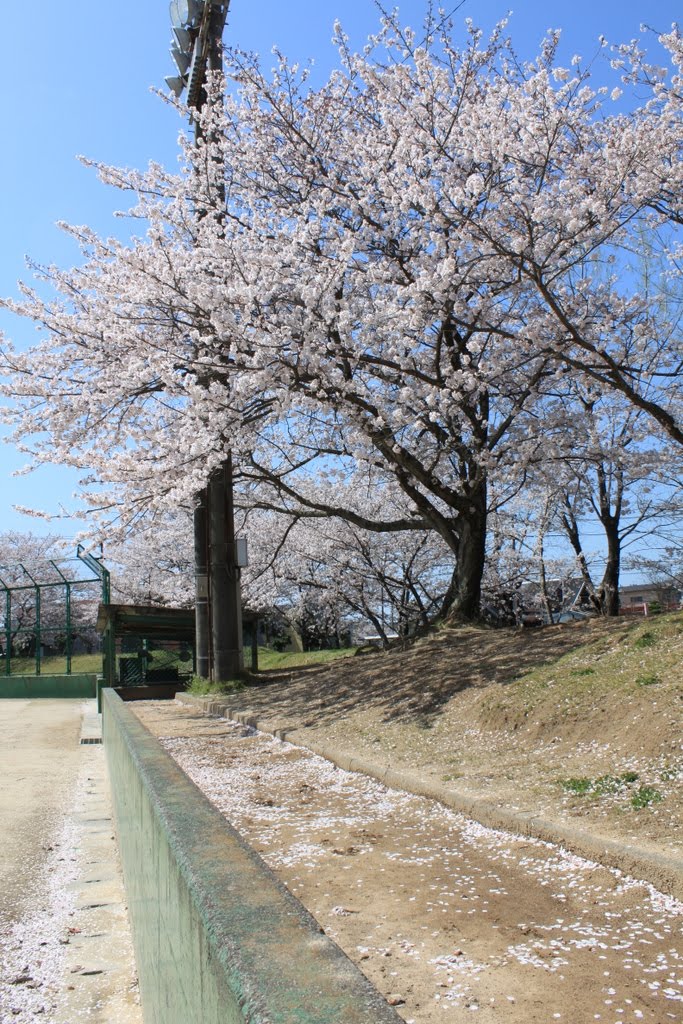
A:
217, 937
77, 685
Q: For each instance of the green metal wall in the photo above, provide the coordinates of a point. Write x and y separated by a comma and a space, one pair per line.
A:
217, 937
83, 685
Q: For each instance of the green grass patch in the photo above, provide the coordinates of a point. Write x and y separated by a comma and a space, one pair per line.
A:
200, 687
650, 679
54, 665
577, 786
582, 672
645, 640
645, 796
604, 785
269, 659
609, 785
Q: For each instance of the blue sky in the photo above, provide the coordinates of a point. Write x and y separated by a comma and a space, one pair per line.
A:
78, 79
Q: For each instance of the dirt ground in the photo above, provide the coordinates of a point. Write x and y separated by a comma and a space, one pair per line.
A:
494, 713
38, 765
65, 946
444, 916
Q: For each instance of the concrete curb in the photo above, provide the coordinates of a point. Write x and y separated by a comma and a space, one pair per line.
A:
664, 872
99, 978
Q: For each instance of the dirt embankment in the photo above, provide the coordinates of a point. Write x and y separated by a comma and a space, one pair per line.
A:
581, 721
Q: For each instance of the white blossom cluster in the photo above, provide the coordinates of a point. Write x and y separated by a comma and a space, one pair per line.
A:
419, 275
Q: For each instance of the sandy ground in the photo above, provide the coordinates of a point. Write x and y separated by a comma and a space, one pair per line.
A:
65, 948
39, 758
445, 917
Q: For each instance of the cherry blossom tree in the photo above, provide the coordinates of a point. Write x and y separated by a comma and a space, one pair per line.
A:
383, 280
666, 569
611, 475
154, 565
388, 583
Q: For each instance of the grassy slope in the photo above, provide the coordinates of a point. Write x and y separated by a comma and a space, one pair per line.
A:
54, 665
624, 662
269, 660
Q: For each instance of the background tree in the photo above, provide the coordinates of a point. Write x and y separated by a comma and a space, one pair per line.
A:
155, 565
27, 557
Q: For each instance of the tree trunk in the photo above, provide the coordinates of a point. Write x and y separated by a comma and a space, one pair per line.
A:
607, 594
466, 588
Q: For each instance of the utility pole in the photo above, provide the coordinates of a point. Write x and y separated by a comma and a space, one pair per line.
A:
198, 30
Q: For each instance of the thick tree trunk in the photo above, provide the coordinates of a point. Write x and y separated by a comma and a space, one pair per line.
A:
607, 594
471, 554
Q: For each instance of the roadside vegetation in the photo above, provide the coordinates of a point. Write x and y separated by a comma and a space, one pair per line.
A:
269, 659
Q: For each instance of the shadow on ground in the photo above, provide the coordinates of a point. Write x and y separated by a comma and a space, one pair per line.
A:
416, 680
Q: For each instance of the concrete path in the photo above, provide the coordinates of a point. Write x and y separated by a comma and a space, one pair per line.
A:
65, 946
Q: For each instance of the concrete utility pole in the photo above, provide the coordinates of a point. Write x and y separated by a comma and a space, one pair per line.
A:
198, 30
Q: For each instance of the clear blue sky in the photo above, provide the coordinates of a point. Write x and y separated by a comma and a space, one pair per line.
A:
78, 80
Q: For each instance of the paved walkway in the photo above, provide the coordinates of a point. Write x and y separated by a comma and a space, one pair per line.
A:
65, 948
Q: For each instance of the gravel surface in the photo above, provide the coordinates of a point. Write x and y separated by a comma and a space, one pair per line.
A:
515, 716
33, 947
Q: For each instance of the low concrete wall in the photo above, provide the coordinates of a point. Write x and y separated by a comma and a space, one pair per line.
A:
217, 937
77, 685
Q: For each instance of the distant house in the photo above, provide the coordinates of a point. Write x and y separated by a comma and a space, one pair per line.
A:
638, 598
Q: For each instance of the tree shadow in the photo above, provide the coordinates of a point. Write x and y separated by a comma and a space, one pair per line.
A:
415, 680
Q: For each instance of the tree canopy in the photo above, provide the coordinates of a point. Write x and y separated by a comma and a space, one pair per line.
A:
373, 293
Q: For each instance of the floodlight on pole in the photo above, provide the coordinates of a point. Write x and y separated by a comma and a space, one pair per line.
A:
175, 14
187, 18
184, 12
182, 60
176, 84
198, 28
183, 39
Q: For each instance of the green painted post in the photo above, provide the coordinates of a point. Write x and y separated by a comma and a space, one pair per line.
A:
109, 656
68, 629
36, 628
95, 565
67, 586
37, 631
8, 629
109, 640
